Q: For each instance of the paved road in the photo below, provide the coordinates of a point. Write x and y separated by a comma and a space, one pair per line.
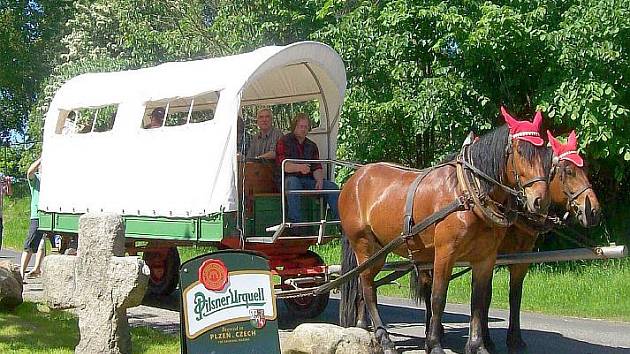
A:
544, 334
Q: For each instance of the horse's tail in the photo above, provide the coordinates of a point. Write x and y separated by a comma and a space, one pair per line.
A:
415, 289
350, 294
419, 288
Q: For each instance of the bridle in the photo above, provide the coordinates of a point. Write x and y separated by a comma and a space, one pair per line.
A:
490, 209
509, 149
571, 196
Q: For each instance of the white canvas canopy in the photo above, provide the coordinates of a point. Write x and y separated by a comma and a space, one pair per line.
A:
186, 170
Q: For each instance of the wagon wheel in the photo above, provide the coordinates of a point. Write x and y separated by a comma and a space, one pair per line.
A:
308, 306
164, 265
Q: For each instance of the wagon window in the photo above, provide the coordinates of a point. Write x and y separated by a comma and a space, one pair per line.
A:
87, 120
282, 114
182, 111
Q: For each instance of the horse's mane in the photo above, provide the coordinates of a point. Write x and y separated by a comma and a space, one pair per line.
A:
547, 157
488, 154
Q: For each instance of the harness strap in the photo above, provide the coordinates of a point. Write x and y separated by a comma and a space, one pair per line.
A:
573, 196
488, 213
411, 192
458, 204
483, 175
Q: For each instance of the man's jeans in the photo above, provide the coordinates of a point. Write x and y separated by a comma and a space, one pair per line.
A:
294, 201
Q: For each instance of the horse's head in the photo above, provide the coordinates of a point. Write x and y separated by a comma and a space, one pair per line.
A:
569, 184
525, 163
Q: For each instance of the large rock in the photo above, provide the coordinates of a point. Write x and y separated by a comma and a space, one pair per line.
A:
99, 283
324, 338
10, 286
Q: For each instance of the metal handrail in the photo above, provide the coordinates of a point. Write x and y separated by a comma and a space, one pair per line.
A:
278, 229
313, 191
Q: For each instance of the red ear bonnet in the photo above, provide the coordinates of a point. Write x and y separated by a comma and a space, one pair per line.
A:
566, 151
524, 130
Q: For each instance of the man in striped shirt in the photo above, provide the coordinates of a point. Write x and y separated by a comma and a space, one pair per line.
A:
263, 144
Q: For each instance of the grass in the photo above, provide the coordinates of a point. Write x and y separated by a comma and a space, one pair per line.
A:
596, 289
16, 215
33, 329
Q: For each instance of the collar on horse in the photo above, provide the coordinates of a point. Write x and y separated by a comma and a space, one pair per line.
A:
468, 178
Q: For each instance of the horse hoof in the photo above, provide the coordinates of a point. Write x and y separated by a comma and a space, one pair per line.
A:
516, 346
489, 344
390, 351
478, 350
436, 350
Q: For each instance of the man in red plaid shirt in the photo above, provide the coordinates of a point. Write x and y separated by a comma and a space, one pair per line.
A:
296, 145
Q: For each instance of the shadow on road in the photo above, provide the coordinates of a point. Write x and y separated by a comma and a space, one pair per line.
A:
407, 328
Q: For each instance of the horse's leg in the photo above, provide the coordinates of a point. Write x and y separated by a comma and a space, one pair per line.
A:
487, 340
351, 297
514, 340
482, 275
426, 280
369, 296
442, 268
362, 321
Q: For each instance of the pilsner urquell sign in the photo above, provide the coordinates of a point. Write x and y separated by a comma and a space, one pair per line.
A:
228, 304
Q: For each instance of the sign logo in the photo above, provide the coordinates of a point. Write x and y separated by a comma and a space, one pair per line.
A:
257, 318
213, 275
245, 293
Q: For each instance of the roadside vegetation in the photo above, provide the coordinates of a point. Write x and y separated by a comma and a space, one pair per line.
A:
578, 289
34, 329
581, 289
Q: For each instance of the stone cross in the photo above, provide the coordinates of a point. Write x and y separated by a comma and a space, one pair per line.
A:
100, 283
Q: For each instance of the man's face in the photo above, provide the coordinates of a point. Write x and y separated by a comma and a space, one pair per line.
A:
301, 129
263, 119
156, 122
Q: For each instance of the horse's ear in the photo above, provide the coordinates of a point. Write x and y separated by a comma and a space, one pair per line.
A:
555, 144
508, 118
538, 120
572, 141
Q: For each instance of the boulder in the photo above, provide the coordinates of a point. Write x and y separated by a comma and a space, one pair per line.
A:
10, 286
325, 338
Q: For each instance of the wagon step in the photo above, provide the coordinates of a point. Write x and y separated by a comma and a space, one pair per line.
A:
279, 229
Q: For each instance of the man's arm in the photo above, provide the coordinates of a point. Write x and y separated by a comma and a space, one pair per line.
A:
318, 173
33, 168
271, 154
8, 188
289, 167
268, 155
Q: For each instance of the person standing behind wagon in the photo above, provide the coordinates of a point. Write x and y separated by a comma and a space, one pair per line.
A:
5, 188
33, 243
296, 145
263, 144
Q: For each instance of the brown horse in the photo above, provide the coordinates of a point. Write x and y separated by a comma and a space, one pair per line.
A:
569, 190
372, 205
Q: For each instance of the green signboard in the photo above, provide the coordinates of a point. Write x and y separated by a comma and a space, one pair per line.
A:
228, 304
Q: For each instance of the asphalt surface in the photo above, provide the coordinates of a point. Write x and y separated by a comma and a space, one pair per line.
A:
542, 333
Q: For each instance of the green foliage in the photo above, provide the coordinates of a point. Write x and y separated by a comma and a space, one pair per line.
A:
420, 74
29, 33
33, 328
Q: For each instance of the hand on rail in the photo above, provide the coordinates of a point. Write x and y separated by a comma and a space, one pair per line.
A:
304, 168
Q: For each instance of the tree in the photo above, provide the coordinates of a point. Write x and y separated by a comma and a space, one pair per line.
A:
29, 32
